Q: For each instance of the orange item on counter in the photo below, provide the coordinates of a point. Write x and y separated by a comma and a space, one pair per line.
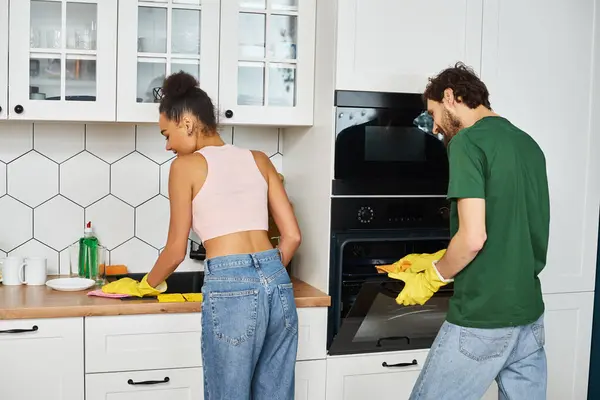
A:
113, 269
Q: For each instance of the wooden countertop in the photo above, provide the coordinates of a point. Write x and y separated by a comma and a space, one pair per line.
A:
21, 302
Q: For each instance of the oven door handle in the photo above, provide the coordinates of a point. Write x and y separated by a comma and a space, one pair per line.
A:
399, 365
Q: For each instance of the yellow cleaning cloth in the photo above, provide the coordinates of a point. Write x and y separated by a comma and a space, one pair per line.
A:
411, 263
179, 297
133, 287
195, 297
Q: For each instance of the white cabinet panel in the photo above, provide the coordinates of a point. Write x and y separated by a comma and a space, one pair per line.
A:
172, 384
395, 46
142, 342
568, 322
540, 77
63, 57
3, 59
310, 380
267, 62
157, 39
362, 377
312, 333
42, 359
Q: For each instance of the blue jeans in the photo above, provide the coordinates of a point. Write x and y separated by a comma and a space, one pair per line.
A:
249, 328
463, 362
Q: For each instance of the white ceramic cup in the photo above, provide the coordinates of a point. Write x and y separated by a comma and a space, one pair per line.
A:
12, 271
35, 271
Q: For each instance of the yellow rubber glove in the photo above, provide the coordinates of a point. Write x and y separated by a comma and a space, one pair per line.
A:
419, 286
412, 263
134, 288
421, 262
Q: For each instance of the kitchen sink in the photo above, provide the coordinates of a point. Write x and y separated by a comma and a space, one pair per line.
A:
178, 282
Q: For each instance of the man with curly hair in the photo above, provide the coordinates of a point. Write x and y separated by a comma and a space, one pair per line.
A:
499, 223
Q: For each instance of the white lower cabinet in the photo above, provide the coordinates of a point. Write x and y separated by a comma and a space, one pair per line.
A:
374, 376
41, 359
172, 384
568, 328
568, 323
159, 356
311, 380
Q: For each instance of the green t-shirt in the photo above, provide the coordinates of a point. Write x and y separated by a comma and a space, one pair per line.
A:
495, 161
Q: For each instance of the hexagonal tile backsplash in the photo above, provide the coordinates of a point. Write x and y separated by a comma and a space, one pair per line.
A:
56, 176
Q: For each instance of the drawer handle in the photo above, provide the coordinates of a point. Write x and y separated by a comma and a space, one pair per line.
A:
33, 329
131, 382
384, 364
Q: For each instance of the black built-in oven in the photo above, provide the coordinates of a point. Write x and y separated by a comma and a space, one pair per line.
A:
384, 145
366, 232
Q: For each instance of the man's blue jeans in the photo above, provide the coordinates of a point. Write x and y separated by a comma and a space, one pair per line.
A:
463, 363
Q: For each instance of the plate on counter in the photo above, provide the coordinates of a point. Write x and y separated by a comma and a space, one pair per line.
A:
70, 284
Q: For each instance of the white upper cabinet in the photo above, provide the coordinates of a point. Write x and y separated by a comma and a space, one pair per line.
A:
3, 59
267, 62
396, 45
62, 60
160, 37
539, 62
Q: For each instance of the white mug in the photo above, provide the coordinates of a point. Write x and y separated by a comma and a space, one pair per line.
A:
35, 271
12, 271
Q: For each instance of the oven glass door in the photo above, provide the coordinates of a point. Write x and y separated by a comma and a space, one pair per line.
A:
370, 319
387, 151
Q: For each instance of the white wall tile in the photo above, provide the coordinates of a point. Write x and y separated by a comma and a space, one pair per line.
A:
32, 179
277, 161
134, 179
257, 138
151, 143
84, 179
58, 141
135, 254
2, 179
112, 221
58, 223
17, 223
164, 178
33, 248
152, 221
16, 139
111, 141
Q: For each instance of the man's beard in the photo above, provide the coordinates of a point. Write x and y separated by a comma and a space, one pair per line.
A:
450, 126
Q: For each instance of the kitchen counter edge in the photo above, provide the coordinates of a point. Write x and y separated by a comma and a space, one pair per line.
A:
23, 302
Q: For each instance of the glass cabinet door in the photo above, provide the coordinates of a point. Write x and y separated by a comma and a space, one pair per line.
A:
63, 59
160, 37
267, 61
3, 59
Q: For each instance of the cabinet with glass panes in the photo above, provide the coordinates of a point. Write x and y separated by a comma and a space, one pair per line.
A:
62, 63
267, 61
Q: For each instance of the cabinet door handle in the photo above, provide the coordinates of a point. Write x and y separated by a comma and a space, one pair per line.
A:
228, 114
19, 109
384, 364
131, 382
33, 329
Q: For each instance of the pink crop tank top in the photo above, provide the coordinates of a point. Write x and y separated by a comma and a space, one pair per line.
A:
234, 195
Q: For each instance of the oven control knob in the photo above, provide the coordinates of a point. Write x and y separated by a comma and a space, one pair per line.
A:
444, 212
365, 214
